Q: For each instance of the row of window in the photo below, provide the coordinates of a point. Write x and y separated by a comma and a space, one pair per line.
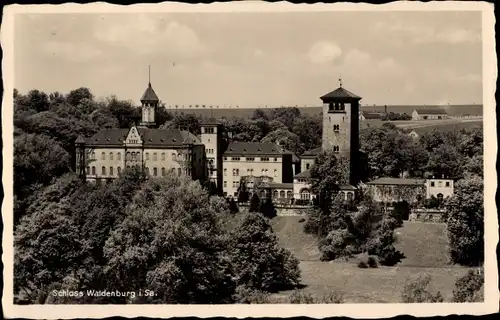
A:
137, 156
264, 172
440, 184
104, 172
210, 151
250, 159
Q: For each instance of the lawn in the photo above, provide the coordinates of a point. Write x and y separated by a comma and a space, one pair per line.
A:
424, 244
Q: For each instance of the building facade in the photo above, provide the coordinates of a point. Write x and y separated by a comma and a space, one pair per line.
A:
429, 114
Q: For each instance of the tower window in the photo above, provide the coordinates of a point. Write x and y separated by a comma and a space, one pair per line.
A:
336, 127
336, 149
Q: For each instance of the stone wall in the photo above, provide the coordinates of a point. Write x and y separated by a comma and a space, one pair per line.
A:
423, 215
283, 210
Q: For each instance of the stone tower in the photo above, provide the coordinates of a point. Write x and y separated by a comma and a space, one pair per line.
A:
211, 137
149, 104
341, 127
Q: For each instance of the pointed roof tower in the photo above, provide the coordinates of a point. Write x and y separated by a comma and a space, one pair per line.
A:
149, 95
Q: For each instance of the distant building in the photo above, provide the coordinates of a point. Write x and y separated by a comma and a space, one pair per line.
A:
302, 188
413, 134
429, 114
363, 116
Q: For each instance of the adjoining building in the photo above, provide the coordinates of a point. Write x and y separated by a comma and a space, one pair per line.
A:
429, 114
364, 116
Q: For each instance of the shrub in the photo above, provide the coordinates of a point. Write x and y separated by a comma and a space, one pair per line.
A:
389, 256
362, 265
372, 263
333, 297
301, 297
469, 288
311, 226
416, 291
247, 295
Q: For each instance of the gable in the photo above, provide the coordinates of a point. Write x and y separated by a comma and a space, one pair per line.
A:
133, 136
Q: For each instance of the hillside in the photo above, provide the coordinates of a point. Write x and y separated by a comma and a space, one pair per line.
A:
228, 113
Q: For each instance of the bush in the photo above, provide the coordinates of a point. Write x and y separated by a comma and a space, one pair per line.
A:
311, 226
333, 297
362, 265
301, 297
417, 291
372, 263
389, 256
469, 288
247, 295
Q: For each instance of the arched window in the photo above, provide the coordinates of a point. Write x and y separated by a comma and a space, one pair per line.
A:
93, 170
111, 156
88, 170
179, 171
163, 156
118, 156
155, 156
155, 172
110, 171
93, 156
234, 172
282, 193
103, 171
147, 155
133, 156
119, 170
103, 156
163, 170
173, 156
342, 195
127, 157
349, 196
172, 170
275, 172
305, 194
289, 194
147, 170
275, 194
237, 172
225, 171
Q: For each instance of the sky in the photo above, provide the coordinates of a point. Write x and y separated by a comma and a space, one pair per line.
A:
255, 59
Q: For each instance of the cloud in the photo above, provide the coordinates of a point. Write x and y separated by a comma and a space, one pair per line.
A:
146, 35
324, 52
72, 51
415, 33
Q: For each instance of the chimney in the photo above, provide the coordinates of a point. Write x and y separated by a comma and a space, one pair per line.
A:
385, 109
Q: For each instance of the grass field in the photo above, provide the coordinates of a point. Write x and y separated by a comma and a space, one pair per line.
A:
424, 244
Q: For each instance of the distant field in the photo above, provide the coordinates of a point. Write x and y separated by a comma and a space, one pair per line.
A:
424, 244
246, 113
422, 127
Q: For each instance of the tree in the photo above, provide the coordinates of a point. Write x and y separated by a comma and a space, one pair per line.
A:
260, 263
243, 194
75, 97
416, 290
171, 242
465, 224
445, 161
254, 203
233, 207
38, 100
469, 288
288, 140
268, 209
329, 171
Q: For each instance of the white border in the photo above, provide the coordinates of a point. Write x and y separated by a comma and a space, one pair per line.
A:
279, 310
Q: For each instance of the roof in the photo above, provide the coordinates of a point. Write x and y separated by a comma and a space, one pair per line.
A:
340, 94
304, 174
210, 122
80, 139
150, 137
397, 181
276, 185
369, 115
431, 111
254, 148
313, 152
149, 94
347, 187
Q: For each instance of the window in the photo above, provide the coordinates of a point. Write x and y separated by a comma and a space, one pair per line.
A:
336, 127
275, 194
234, 184
275, 159
336, 148
163, 172
209, 130
127, 156
447, 183
110, 171
111, 156
93, 156
179, 171
119, 170
440, 183
133, 156
225, 172
432, 184
209, 140
289, 194
118, 156
225, 194
237, 172
275, 172
305, 195
349, 196
236, 158
262, 171
264, 159
155, 172
282, 193
250, 159
163, 156
103, 156
173, 156
147, 155
307, 166
251, 172
225, 184
225, 158
155, 156
93, 170
147, 170
88, 170
234, 172
103, 171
